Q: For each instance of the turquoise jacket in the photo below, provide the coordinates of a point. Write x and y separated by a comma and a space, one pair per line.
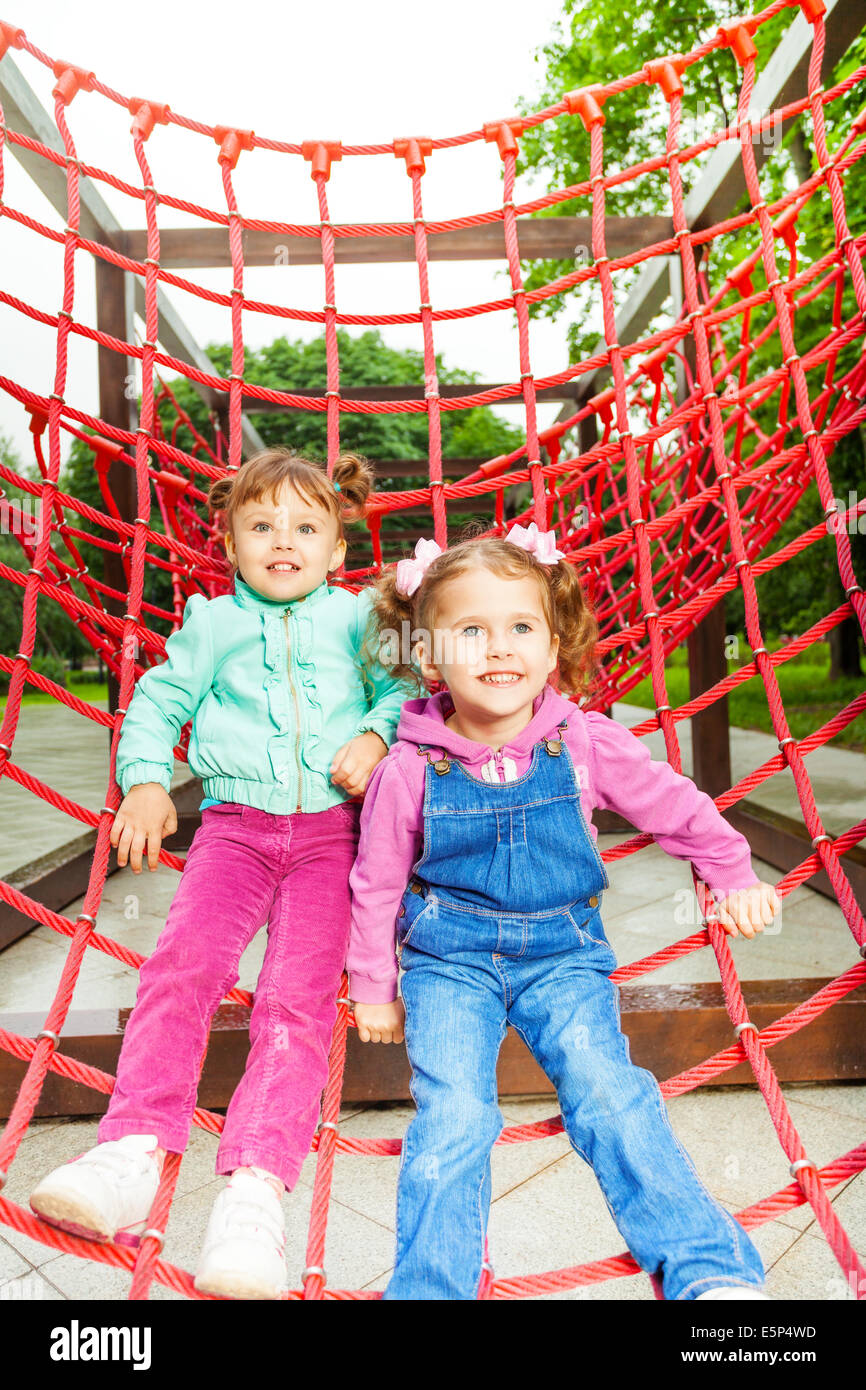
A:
273, 690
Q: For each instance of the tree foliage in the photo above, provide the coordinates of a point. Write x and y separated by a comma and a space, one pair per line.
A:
598, 41
294, 365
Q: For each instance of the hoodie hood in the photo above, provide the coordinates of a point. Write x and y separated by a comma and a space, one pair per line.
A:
423, 721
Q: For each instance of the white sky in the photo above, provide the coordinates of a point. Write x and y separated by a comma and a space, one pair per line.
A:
358, 73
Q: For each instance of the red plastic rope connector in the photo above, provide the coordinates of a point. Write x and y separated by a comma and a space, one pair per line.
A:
38, 419
70, 81
737, 35
146, 114
666, 72
740, 276
413, 151
106, 451
504, 133
10, 37
785, 226
586, 102
231, 142
602, 403
813, 10
654, 365
320, 153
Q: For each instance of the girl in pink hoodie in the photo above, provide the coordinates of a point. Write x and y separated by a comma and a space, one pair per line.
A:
477, 851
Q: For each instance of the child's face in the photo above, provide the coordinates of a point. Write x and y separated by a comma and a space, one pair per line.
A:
284, 546
491, 645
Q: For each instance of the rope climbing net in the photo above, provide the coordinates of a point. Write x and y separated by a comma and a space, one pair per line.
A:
671, 503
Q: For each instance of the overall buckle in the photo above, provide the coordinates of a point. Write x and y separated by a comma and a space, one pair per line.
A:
553, 746
439, 765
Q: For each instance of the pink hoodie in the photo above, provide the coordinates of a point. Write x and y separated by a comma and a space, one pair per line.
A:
615, 771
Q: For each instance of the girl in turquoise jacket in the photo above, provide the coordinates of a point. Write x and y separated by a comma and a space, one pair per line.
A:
290, 711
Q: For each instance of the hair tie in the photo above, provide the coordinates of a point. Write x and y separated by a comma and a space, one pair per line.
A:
411, 572
541, 544
337, 487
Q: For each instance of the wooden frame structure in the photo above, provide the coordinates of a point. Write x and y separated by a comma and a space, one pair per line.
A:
676, 1024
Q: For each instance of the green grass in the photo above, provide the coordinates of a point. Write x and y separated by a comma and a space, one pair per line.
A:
85, 690
810, 699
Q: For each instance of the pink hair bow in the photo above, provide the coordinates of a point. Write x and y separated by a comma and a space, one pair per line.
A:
411, 572
541, 544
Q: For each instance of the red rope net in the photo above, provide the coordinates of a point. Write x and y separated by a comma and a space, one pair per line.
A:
683, 492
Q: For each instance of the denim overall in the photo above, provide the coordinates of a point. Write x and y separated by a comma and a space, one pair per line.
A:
501, 923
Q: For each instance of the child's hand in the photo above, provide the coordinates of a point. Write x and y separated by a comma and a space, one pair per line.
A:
380, 1022
354, 762
146, 814
749, 910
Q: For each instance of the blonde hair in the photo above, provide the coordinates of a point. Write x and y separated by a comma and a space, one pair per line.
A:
566, 609
264, 474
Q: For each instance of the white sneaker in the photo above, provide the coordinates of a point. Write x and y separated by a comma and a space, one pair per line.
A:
106, 1194
733, 1291
243, 1255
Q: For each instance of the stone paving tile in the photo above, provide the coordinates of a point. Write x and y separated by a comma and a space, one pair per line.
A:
737, 1153
547, 1212
559, 1219
28, 1288
369, 1184
12, 1262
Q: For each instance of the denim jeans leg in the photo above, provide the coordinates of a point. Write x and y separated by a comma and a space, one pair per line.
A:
455, 1023
616, 1119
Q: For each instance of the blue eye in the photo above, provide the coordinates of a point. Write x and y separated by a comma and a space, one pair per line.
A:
261, 526
307, 529
472, 629
522, 628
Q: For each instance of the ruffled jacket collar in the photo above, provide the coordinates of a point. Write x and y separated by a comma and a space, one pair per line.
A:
248, 597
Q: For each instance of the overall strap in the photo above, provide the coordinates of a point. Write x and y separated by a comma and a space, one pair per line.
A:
441, 766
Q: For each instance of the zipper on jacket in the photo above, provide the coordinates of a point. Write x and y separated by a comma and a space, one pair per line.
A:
297, 710
500, 766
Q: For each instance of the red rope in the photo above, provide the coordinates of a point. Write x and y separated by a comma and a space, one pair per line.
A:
677, 504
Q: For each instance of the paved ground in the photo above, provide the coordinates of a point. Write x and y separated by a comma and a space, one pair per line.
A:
547, 1211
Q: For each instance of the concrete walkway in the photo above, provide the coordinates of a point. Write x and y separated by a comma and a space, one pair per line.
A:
548, 1211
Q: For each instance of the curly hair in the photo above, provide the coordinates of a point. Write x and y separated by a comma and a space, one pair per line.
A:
566, 609
264, 474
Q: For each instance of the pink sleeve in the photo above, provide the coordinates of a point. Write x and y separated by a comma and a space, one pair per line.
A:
657, 800
392, 831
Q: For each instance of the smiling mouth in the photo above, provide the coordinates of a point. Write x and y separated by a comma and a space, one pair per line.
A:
283, 567
501, 678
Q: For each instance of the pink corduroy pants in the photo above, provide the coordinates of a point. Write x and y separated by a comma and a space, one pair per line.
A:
245, 868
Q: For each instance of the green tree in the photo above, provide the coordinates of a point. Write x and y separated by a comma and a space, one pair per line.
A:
294, 365
58, 640
597, 42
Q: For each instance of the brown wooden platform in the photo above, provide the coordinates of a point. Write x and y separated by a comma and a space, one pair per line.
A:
670, 1027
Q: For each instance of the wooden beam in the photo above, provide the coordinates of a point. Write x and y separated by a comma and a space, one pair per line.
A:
447, 390
670, 1028
540, 238
420, 468
710, 728
56, 879
25, 114
116, 407
784, 842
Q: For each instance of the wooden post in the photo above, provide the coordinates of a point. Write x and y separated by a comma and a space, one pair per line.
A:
118, 391
711, 748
